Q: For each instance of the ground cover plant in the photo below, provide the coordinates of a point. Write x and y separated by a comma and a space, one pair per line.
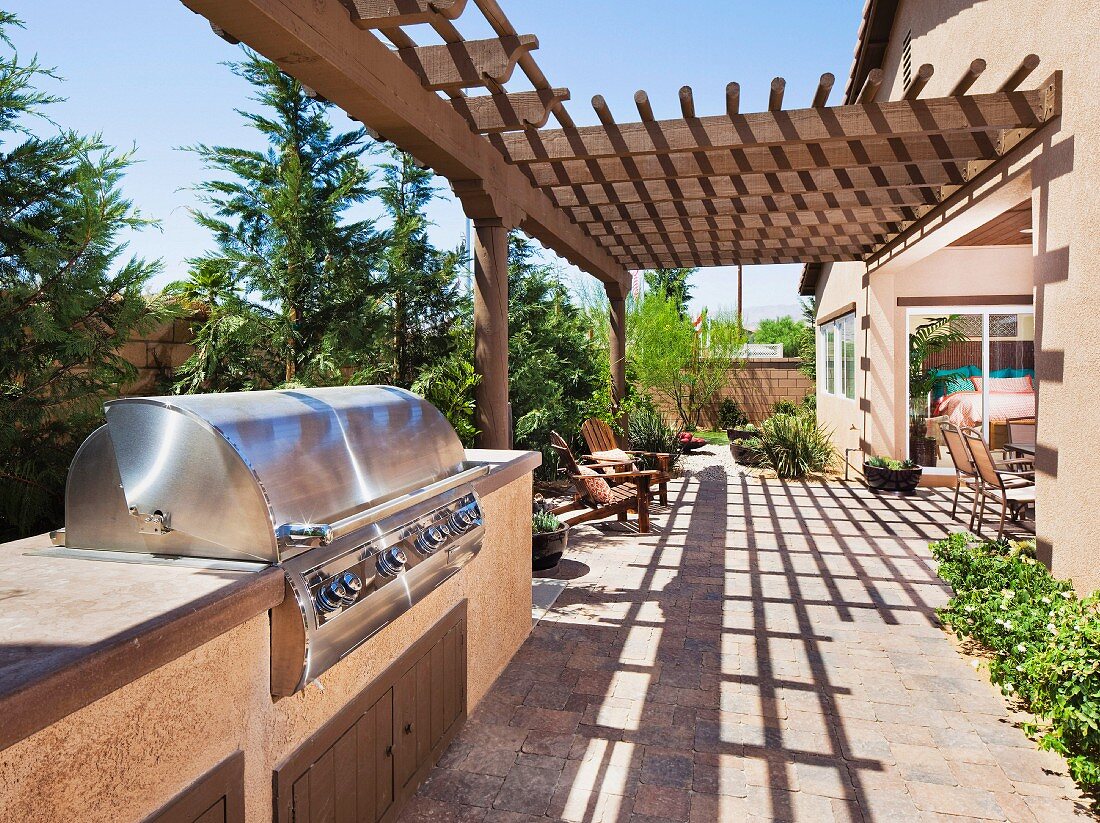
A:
1043, 641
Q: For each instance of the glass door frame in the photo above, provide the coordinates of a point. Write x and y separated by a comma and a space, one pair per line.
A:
985, 311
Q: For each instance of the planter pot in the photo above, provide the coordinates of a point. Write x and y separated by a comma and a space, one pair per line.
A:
892, 480
740, 434
547, 548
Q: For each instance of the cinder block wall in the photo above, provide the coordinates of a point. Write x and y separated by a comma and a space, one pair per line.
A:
156, 353
756, 386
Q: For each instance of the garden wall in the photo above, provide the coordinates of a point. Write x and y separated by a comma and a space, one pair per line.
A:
156, 353
756, 386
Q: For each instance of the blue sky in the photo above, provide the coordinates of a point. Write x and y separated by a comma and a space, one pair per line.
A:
148, 73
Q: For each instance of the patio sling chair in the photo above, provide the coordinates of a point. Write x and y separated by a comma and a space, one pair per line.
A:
594, 498
602, 447
966, 473
1015, 491
1021, 430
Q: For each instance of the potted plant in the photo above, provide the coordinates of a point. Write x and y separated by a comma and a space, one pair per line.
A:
689, 442
886, 475
549, 537
733, 420
742, 443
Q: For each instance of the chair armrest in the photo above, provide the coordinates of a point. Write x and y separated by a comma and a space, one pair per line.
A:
1027, 460
649, 475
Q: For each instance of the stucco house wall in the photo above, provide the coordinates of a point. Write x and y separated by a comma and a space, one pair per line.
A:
1059, 171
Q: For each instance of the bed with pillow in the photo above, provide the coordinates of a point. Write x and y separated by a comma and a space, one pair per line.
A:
959, 397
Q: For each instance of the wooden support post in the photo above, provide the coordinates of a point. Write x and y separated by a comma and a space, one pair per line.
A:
492, 416
617, 338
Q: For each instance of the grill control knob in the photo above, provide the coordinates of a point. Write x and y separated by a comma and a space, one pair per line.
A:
429, 540
461, 521
350, 585
329, 598
391, 561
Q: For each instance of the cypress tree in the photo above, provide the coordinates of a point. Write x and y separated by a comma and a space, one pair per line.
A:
67, 301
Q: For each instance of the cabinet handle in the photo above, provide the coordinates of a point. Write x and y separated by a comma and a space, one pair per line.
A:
389, 751
408, 728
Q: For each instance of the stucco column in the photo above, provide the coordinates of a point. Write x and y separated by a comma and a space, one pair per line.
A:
617, 350
491, 416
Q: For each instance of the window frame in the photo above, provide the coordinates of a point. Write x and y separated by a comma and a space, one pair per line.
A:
833, 376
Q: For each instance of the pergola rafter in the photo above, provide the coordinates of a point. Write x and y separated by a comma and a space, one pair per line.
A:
809, 185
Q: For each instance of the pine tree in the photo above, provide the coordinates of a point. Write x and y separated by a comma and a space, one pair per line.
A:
294, 277
66, 303
421, 283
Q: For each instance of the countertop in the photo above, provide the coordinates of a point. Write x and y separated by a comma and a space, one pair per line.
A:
74, 630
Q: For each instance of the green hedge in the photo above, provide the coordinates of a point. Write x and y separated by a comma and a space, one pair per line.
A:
1044, 641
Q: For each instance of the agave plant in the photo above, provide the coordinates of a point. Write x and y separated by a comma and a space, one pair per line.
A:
794, 445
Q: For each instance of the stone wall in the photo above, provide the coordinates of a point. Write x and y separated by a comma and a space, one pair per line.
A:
756, 386
155, 354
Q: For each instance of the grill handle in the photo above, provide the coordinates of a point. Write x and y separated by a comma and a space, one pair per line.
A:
327, 532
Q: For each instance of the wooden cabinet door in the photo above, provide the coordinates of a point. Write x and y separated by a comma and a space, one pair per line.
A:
365, 763
216, 797
352, 780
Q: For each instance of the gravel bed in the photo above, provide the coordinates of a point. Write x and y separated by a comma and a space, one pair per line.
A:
711, 463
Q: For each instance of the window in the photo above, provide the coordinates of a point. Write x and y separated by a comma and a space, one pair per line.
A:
837, 353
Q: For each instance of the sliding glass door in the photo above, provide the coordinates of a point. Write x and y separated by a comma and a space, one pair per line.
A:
971, 366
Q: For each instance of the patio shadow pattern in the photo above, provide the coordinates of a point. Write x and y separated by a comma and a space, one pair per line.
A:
769, 652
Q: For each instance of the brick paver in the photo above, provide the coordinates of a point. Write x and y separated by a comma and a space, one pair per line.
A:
769, 652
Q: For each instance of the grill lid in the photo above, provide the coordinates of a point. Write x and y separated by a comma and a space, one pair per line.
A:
243, 475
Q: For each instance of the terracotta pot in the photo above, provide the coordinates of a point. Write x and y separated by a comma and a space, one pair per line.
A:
547, 548
892, 480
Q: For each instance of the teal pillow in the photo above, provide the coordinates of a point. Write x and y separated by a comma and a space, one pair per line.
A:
956, 380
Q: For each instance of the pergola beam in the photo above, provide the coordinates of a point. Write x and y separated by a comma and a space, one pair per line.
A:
838, 220
662, 260
380, 14
777, 234
896, 118
923, 155
495, 113
319, 44
812, 202
752, 185
468, 63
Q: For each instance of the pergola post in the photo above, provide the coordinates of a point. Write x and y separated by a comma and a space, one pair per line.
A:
616, 297
492, 414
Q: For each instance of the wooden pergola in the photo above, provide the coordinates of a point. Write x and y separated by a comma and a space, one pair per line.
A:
812, 185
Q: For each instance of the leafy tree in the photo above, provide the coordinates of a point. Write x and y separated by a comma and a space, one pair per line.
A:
674, 361
807, 347
786, 330
556, 366
672, 284
67, 303
289, 285
422, 300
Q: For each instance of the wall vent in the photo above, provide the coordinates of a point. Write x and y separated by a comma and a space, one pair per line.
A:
907, 59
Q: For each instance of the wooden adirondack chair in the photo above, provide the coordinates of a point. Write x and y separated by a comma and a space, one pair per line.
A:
600, 440
595, 498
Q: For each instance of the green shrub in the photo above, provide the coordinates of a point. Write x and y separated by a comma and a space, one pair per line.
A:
887, 463
1044, 641
543, 522
793, 446
730, 415
650, 433
786, 407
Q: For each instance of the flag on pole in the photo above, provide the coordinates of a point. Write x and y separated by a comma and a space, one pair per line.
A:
699, 321
636, 284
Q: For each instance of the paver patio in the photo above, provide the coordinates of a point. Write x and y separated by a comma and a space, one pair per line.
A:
769, 652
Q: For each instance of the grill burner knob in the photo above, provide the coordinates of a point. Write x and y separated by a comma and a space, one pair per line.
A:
462, 521
350, 585
391, 561
429, 540
329, 597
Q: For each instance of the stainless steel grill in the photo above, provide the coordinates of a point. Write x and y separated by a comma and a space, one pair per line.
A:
361, 494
